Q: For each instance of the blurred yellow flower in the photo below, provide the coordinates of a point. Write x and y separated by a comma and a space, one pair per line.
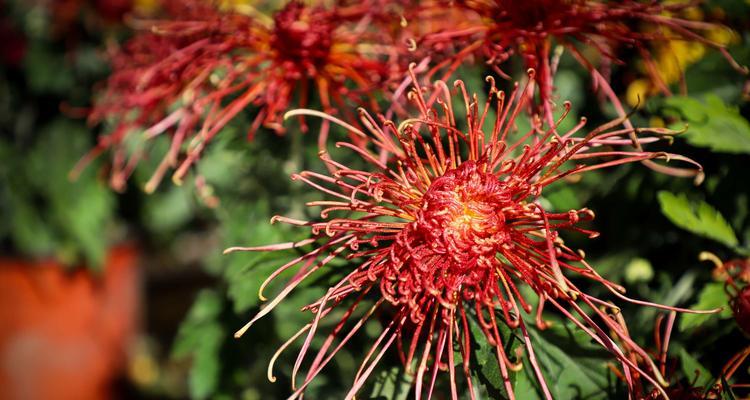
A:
671, 59
145, 7
637, 92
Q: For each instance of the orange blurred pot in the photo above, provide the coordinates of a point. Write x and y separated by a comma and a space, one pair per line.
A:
63, 335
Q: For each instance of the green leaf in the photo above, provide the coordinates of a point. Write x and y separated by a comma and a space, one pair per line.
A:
569, 87
169, 210
247, 225
392, 384
712, 296
47, 70
713, 124
562, 197
51, 215
691, 367
572, 365
701, 219
28, 230
484, 361
80, 209
523, 384
639, 270
246, 272
200, 337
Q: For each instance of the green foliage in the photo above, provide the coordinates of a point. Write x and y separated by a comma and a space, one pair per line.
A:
169, 210
50, 214
701, 219
573, 365
694, 371
484, 362
245, 273
391, 384
524, 384
639, 270
712, 124
711, 296
200, 337
45, 72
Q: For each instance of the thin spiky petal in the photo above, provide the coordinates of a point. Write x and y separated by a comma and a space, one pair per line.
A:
189, 74
448, 227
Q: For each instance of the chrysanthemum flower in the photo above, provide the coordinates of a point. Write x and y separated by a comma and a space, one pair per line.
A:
592, 31
447, 229
190, 74
736, 276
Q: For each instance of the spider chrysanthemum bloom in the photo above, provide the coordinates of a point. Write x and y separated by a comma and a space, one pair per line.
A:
189, 74
736, 276
594, 32
442, 228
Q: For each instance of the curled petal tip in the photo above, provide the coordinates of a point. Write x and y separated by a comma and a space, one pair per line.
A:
683, 130
288, 114
516, 367
708, 256
411, 44
150, 187
699, 177
177, 180
242, 330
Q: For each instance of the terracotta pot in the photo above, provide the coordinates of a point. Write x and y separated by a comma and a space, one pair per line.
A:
63, 335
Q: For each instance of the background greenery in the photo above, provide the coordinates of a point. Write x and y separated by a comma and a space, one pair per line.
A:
652, 227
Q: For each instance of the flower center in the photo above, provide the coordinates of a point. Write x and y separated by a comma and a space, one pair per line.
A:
463, 212
302, 40
450, 248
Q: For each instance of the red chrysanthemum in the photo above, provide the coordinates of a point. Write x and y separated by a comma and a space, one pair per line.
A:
736, 276
190, 74
497, 30
444, 225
